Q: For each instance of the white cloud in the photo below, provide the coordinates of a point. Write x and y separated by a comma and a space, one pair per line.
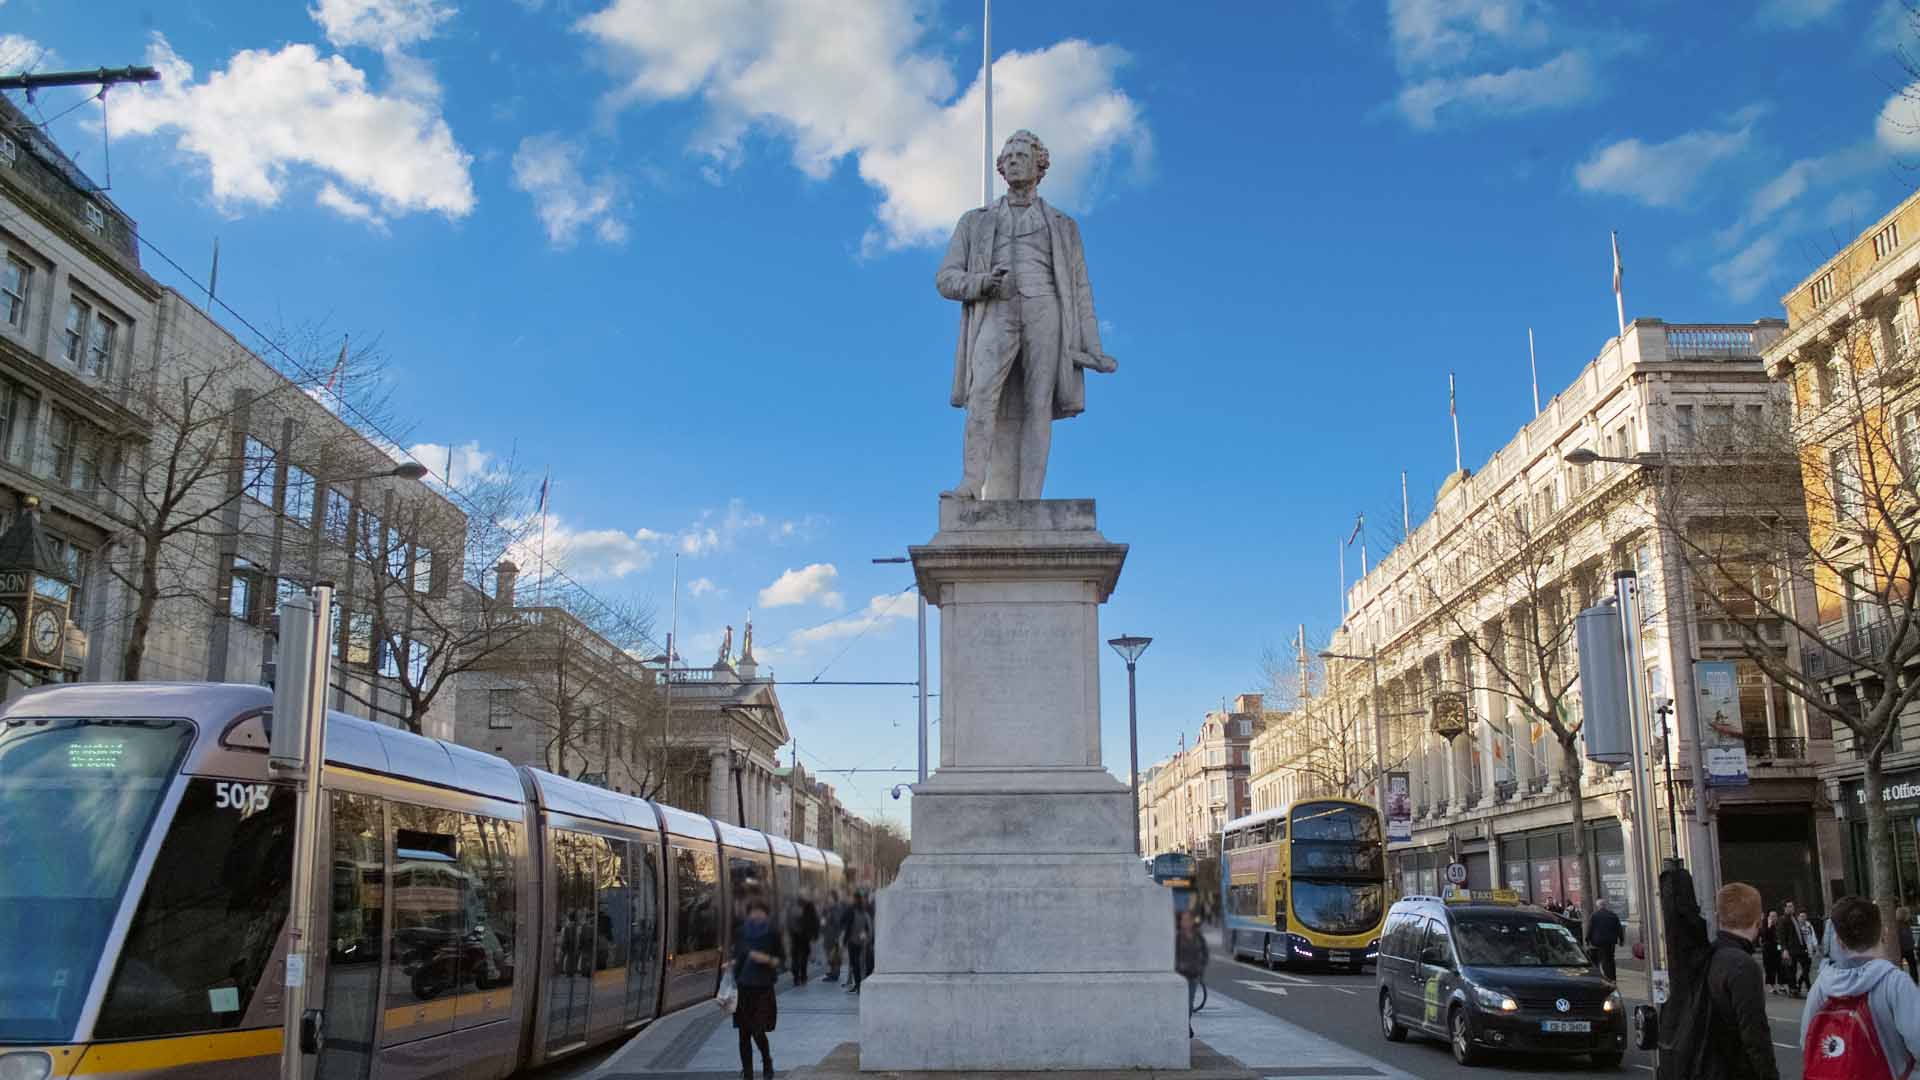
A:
379, 24
268, 115
1430, 34
586, 554
840, 81
1898, 125
1794, 14
1749, 270
1663, 173
331, 197
1567, 79
701, 586
547, 168
467, 460
809, 584
898, 605
21, 53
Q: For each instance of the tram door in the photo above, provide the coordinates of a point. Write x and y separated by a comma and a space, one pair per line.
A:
354, 932
570, 985
642, 875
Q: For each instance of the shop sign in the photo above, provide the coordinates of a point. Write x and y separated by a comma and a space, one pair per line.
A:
1449, 714
1612, 866
1890, 791
1399, 807
1723, 740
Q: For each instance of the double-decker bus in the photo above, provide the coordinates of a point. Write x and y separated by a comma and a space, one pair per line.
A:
1175, 870
1305, 884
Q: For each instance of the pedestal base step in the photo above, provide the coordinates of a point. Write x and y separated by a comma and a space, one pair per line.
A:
1023, 1023
843, 1063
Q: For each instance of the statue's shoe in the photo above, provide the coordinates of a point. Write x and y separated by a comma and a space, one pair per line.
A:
960, 493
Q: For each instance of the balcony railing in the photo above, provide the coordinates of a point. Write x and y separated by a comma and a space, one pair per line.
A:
1505, 790
1846, 650
1770, 748
1693, 342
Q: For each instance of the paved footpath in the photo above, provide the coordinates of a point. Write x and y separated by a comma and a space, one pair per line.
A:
699, 1043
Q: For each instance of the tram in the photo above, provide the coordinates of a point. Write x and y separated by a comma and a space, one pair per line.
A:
479, 918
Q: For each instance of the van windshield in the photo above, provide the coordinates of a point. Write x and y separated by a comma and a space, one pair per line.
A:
77, 797
1516, 941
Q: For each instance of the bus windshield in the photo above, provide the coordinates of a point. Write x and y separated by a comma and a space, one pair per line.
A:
77, 797
1172, 865
1338, 907
1337, 840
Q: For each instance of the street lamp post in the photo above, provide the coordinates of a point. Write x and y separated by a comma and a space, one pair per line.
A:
1130, 648
1372, 660
923, 665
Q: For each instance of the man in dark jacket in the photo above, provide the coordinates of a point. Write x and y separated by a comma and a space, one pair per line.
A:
1603, 933
1739, 1045
803, 926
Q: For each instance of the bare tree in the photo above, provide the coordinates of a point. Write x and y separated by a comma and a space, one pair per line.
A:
1501, 601
1799, 526
179, 487
1325, 742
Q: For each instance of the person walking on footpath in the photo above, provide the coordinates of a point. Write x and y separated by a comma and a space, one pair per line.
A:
857, 929
1190, 959
1770, 951
803, 926
834, 915
1738, 1045
1863, 1015
1904, 937
757, 955
1603, 934
1793, 939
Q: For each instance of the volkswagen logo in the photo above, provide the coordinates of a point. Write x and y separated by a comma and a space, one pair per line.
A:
1563, 1004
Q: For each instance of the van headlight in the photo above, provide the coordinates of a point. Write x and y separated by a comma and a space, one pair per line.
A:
26, 1065
1614, 1002
1494, 999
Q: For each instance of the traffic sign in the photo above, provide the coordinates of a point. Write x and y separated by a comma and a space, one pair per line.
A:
1457, 873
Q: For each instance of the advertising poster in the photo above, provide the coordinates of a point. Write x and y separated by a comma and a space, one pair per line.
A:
1517, 878
1574, 893
1723, 740
1613, 880
1399, 807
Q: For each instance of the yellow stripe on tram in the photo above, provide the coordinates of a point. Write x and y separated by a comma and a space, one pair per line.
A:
447, 1008
118, 1057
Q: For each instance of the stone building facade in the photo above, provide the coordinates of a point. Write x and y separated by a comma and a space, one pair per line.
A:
1497, 797
1187, 798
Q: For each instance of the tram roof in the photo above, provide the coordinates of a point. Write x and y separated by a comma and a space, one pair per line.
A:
810, 856
743, 839
784, 848
590, 801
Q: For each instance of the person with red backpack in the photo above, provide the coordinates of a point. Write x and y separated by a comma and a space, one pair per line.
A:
1863, 1016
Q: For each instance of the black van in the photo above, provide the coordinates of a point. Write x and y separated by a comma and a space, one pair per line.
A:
1487, 972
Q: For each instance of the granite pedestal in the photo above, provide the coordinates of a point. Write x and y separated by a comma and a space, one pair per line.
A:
1022, 933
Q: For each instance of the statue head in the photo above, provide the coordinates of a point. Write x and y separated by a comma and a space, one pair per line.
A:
1026, 155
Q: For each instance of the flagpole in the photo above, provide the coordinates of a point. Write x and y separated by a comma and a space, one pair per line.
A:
1406, 516
1453, 410
1342, 548
540, 589
1533, 366
1619, 302
986, 109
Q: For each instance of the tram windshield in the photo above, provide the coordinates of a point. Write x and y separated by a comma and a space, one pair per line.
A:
77, 797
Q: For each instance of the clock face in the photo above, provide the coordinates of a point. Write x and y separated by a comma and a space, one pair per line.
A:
46, 632
9, 625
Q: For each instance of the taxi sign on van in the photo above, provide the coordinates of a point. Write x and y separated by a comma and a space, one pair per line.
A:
1482, 896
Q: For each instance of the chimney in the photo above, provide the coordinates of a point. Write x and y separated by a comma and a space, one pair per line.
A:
504, 576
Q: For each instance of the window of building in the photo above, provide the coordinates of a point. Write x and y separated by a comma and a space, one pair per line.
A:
1887, 240
88, 444
339, 511
16, 420
1683, 424
286, 588
9, 151
1907, 436
88, 340
372, 534
359, 639
397, 558
417, 657
1822, 289
60, 426
387, 651
256, 471
1901, 332
16, 286
95, 217
500, 709
1848, 496
243, 592
299, 501
1218, 791
422, 569
101, 334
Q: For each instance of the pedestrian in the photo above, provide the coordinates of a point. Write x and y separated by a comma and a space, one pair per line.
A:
1190, 959
803, 925
857, 929
1603, 934
757, 955
1739, 1045
873, 916
1794, 942
1905, 938
1809, 957
1859, 990
835, 915
1770, 951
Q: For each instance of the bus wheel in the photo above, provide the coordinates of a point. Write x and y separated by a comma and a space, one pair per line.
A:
1267, 959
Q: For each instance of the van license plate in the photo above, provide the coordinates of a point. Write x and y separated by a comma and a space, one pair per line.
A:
1566, 1025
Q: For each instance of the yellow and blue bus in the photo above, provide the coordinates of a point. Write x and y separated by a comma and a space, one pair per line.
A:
1305, 884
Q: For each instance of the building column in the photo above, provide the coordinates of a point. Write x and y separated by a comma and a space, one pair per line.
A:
719, 787
1484, 733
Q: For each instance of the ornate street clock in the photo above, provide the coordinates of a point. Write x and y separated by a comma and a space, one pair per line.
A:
34, 588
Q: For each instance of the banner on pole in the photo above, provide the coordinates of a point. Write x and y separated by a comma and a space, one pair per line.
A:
1723, 741
1399, 807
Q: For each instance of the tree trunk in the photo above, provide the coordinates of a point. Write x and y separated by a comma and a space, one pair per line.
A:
1576, 800
144, 604
1879, 835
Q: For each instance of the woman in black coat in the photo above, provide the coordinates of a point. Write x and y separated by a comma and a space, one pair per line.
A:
1770, 951
757, 956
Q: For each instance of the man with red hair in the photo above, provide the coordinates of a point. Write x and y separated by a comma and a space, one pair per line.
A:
1739, 1045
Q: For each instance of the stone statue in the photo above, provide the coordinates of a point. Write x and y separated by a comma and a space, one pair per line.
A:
726, 650
746, 644
1027, 329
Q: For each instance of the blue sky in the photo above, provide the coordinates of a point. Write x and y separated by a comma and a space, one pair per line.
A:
682, 254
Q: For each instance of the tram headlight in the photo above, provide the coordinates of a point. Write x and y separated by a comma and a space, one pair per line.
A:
26, 1065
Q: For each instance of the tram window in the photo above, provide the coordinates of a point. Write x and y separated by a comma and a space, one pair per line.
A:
354, 927
487, 849
213, 910
429, 894
697, 875
642, 874
747, 878
611, 930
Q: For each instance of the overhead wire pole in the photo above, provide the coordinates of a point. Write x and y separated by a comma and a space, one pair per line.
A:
986, 109
101, 77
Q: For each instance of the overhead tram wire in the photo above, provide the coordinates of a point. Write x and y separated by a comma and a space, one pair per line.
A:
369, 425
